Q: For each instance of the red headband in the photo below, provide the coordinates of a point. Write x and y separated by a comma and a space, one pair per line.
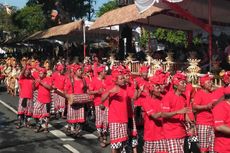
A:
87, 68
60, 67
156, 79
43, 70
100, 69
115, 74
205, 78
226, 77
178, 77
75, 67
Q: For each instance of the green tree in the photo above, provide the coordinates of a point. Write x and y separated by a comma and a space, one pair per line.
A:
172, 37
112, 4
7, 28
30, 18
67, 9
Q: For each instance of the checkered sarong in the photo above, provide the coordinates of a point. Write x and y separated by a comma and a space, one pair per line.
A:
206, 137
175, 145
27, 110
155, 146
118, 132
41, 110
76, 114
59, 102
101, 118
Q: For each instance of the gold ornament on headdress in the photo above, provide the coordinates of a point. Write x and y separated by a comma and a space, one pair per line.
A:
193, 70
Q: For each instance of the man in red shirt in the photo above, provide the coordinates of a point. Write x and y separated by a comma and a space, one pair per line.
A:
118, 114
132, 129
141, 81
76, 112
97, 87
58, 83
153, 124
203, 104
25, 105
174, 112
42, 105
35, 75
221, 114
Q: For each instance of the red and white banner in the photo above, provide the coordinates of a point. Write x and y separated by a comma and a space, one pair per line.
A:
143, 5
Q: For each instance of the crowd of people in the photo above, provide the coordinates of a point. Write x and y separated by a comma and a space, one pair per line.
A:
172, 111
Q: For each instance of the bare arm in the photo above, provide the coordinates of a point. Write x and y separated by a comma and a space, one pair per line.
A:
46, 85
94, 92
202, 107
171, 114
105, 96
223, 129
136, 94
156, 115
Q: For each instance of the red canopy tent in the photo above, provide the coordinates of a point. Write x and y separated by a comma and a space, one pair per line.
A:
178, 8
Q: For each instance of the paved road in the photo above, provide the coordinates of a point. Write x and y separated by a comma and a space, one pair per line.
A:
26, 141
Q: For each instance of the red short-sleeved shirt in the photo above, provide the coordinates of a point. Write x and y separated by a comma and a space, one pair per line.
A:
26, 87
173, 127
43, 93
77, 86
95, 85
153, 129
204, 98
58, 80
221, 114
118, 107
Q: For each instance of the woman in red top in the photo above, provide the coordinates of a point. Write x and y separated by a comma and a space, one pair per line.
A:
25, 105
42, 105
174, 115
153, 124
75, 113
118, 114
221, 114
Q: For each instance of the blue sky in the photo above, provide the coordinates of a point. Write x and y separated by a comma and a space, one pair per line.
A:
21, 3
